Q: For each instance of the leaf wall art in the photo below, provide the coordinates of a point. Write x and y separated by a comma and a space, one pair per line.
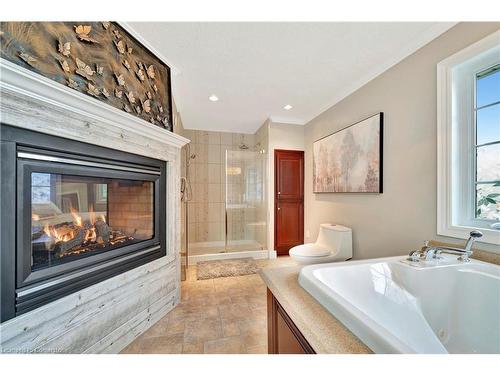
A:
100, 59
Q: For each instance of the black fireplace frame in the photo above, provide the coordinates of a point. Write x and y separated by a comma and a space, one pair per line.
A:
21, 288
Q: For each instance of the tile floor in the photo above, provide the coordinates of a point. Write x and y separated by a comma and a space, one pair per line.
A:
218, 316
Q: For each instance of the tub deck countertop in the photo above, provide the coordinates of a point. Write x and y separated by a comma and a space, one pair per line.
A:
322, 330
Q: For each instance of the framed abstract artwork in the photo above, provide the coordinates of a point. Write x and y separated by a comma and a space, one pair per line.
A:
350, 160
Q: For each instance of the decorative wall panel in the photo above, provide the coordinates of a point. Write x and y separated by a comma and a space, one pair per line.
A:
99, 59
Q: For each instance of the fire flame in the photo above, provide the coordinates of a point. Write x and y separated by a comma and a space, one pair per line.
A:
91, 215
90, 234
67, 233
77, 218
57, 235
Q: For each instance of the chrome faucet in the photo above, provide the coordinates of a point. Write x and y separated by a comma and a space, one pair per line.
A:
432, 252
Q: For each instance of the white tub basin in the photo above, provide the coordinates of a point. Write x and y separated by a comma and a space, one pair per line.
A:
434, 307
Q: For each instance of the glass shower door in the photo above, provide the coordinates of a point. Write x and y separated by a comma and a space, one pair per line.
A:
246, 211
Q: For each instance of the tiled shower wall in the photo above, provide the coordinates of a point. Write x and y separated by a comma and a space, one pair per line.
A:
261, 146
206, 213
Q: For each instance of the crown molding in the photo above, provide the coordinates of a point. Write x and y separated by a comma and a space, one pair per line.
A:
284, 120
410, 48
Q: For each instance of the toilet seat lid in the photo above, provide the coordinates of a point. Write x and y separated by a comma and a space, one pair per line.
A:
310, 250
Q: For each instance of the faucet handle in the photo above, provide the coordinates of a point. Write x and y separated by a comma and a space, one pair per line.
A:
476, 234
414, 256
426, 243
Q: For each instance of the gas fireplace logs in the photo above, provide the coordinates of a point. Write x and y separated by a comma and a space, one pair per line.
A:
102, 231
73, 238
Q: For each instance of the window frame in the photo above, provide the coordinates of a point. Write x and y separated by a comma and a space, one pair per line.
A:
456, 138
476, 109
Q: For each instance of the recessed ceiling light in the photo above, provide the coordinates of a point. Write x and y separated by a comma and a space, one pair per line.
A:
288, 107
213, 98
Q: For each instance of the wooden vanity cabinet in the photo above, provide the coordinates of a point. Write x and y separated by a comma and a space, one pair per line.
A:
283, 336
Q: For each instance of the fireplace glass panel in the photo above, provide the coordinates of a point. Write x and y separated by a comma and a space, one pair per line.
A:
78, 216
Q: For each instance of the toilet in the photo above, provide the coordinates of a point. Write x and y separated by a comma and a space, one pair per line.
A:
334, 244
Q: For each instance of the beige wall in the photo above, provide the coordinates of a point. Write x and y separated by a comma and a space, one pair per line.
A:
403, 216
178, 128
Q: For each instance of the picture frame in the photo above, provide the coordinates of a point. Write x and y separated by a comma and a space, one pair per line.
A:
350, 160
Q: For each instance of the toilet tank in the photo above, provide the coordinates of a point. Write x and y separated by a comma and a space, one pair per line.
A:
336, 237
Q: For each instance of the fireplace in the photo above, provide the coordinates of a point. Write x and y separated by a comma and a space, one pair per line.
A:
80, 214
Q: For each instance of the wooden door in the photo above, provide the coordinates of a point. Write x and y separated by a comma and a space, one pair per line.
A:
288, 200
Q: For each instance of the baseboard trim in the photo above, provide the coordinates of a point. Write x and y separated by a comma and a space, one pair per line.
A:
259, 254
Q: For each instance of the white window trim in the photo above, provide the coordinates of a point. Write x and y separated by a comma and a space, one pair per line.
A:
454, 171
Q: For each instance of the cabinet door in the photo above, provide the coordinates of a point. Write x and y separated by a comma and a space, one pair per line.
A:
283, 336
287, 343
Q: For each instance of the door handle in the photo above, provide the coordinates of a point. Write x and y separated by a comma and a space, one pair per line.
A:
279, 208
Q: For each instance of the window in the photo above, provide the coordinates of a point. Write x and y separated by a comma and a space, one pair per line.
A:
469, 141
487, 144
40, 188
101, 193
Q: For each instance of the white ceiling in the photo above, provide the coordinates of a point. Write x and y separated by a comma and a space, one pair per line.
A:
257, 68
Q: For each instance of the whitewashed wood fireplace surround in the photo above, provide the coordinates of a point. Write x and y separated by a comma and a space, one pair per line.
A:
109, 315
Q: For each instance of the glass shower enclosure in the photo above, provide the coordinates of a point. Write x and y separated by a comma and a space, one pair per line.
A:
245, 201
241, 225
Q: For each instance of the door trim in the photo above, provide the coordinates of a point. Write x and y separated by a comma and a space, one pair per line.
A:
276, 153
